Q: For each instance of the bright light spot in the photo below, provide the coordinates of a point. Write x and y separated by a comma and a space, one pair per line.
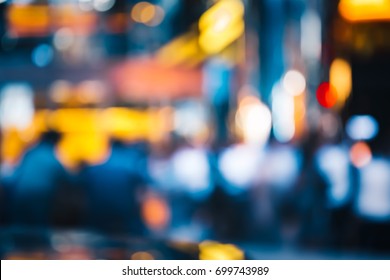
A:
147, 13
282, 114
360, 154
156, 213
222, 22
2, 1
16, 106
311, 35
221, 25
192, 171
340, 76
239, 165
103, 5
254, 119
365, 10
221, 14
362, 127
326, 95
64, 39
333, 163
209, 250
294, 82
374, 195
42, 55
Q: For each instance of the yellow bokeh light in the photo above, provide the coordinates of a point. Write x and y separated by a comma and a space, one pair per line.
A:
87, 132
147, 13
365, 10
210, 250
220, 15
137, 10
221, 25
183, 51
340, 76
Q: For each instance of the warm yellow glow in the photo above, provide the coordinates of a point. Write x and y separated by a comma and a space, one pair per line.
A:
213, 42
365, 10
137, 10
221, 25
210, 250
15, 141
90, 148
180, 51
29, 19
299, 115
130, 125
220, 15
75, 120
147, 13
12, 146
87, 132
340, 77
83, 138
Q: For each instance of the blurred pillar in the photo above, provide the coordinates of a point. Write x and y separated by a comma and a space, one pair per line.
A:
218, 74
271, 33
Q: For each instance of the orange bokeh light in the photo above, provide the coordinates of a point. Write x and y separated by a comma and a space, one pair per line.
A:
360, 154
156, 213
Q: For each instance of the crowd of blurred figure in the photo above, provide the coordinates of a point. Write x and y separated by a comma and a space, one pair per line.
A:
280, 195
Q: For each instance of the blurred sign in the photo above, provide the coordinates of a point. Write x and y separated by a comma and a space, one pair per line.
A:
28, 20
40, 20
142, 80
70, 16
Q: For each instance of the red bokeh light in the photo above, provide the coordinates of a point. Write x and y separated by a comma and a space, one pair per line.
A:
326, 95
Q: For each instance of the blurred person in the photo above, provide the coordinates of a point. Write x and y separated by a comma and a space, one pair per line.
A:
33, 186
182, 172
326, 189
113, 189
371, 205
229, 208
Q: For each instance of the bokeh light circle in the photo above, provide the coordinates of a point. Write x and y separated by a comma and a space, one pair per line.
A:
326, 95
